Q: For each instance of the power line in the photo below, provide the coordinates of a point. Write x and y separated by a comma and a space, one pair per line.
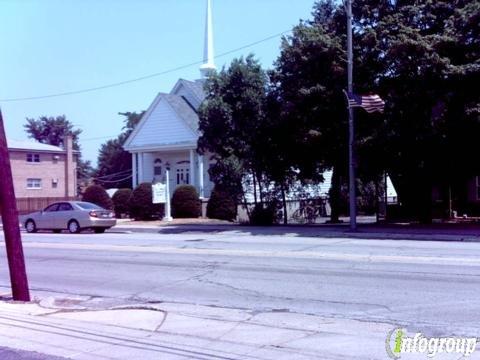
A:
109, 176
112, 181
141, 78
97, 138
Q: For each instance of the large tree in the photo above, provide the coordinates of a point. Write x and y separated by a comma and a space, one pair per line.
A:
52, 131
310, 75
425, 55
114, 163
422, 57
231, 117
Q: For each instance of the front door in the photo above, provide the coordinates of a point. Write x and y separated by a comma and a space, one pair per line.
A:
182, 173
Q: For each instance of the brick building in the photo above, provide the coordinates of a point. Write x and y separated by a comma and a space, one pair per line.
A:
42, 173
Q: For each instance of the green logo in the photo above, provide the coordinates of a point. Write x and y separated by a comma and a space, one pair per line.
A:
396, 334
398, 342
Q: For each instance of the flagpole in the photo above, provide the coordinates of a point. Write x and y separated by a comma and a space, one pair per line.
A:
351, 128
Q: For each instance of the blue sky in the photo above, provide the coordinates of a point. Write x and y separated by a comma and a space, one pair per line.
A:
54, 46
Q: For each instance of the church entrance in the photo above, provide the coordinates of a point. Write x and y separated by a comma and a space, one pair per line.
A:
182, 173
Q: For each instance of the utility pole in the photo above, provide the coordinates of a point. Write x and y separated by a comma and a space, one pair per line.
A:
11, 228
351, 128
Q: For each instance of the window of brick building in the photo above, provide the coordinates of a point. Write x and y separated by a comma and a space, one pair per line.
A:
33, 158
34, 183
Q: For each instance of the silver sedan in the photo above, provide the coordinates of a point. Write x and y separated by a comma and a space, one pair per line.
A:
73, 216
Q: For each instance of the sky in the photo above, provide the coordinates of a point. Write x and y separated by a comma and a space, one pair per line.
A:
57, 46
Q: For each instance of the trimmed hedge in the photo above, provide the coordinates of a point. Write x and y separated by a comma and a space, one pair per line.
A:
96, 194
263, 215
120, 202
186, 203
141, 206
221, 205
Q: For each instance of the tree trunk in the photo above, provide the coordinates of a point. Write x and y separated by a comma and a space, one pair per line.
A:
254, 188
260, 188
285, 215
335, 194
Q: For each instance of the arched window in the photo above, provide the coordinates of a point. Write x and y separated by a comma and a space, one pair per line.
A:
157, 167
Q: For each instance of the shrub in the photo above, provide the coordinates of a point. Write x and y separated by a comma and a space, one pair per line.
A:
221, 205
120, 202
141, 206
264, 215
97, 195
186, 203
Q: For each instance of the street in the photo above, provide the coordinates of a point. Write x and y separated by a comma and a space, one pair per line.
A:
423, 286
430, 286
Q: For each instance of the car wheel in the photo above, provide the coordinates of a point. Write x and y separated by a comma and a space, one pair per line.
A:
30, 226
99, 230
73, 227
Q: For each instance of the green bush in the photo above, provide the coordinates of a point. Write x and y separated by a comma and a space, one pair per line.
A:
186, 203
97, 195
120, 202
264, 215
221, 205
141, 206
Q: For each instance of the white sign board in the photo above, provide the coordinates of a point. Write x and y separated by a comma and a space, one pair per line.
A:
159, 193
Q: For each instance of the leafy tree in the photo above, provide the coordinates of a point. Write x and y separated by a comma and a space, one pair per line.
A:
426, 60
114, 163
422, 57
241, 126
231, 118
310, 75
52, 131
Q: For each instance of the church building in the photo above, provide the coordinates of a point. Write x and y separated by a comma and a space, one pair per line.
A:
167, 134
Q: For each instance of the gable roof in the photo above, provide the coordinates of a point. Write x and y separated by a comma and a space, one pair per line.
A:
32, 145
184, 99
170, 120
184, 110
195, 88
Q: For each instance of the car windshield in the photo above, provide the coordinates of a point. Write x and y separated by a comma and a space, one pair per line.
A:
88, 206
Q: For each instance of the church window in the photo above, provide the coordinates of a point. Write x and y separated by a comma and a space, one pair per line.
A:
157, 167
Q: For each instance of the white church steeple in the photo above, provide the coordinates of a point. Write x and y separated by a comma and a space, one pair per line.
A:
208, 57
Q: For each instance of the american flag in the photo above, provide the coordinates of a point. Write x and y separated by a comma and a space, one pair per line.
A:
371, 103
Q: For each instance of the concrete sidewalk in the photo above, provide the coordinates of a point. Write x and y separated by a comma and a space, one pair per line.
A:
180, 331
369, 231
435, 232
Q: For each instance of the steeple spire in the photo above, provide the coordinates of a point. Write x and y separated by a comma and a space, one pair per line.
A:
208, 57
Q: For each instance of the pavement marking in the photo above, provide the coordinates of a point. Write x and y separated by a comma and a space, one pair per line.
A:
435, 260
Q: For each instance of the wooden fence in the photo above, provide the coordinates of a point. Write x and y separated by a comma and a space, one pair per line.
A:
27, 205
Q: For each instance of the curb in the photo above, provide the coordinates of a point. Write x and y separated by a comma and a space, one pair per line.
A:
302, 232
293, 230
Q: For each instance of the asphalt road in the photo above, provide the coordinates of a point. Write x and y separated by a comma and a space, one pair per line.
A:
13, 354
432, 287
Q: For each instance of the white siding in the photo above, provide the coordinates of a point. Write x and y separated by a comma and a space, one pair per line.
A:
162, 127
148, 167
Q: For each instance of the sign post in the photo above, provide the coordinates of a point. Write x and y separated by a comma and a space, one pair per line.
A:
168, 215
